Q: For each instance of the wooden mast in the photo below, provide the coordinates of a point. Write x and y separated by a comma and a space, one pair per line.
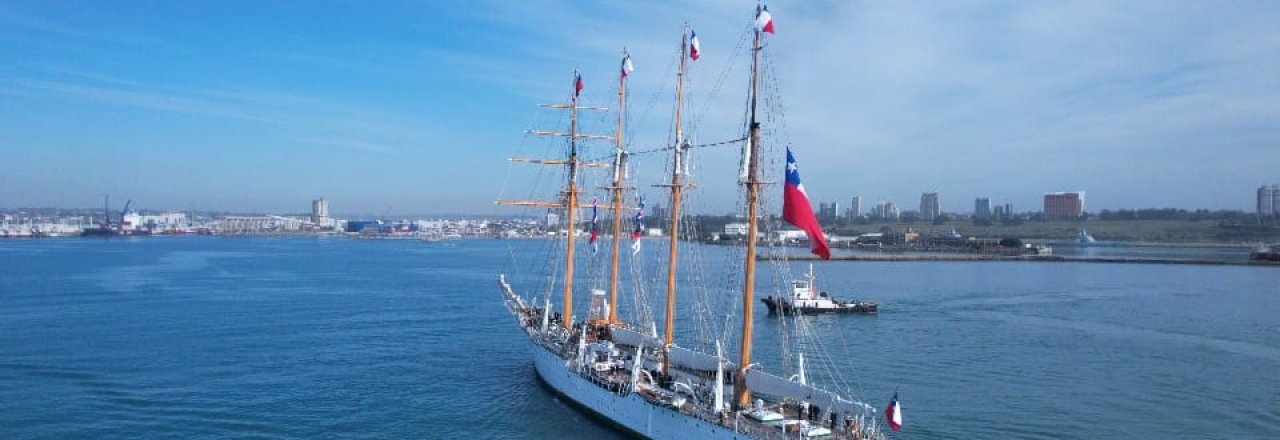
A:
571, 203
677, 188
619, 174
742, 396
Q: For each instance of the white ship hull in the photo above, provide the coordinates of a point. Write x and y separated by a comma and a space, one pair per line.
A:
628, 411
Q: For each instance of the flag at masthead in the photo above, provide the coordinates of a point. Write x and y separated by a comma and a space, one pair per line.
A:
627, 67
764, 20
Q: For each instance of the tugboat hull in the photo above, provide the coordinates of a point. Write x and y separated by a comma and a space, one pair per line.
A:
781, 307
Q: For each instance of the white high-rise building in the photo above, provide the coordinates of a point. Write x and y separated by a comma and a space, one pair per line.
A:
1268, 202
885, 211
855, 207
319, 210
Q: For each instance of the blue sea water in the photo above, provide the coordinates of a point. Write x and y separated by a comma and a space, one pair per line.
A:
303, 338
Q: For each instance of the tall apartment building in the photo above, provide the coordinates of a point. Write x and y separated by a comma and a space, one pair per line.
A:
855, 207
885, 211
828, 212
982, 208
930, 206
659, 212
1064, 205
319, 210
1268, 202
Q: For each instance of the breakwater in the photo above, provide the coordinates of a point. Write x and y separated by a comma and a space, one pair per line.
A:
1027, 258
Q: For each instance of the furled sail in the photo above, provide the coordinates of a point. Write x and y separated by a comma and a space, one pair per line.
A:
635, 339
694, 360
769, 384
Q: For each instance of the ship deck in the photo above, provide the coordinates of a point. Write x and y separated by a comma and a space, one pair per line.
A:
792, 419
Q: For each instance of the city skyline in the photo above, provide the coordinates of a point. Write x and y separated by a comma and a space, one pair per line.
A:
412, 108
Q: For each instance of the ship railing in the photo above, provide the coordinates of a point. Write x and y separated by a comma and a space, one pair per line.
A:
614, 387
760, 431
739, 424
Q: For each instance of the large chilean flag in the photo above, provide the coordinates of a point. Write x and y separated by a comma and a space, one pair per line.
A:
797, 210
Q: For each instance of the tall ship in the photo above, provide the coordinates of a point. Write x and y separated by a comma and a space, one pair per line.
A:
629, 374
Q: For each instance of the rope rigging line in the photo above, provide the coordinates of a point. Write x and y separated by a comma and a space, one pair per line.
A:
669, 148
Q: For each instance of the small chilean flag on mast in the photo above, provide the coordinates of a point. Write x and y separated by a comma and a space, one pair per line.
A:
797, 210
695, 49
639, 231
577, 83
595, 228
764, 21
894, 413
627, 67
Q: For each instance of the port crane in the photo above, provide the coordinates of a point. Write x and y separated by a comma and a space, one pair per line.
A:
124, 211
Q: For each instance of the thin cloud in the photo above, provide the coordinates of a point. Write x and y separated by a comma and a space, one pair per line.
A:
894, 98
142, 99
284, 110
354, 144
47, 27
882, 99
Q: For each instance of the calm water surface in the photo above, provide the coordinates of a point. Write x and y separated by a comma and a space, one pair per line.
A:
288, 338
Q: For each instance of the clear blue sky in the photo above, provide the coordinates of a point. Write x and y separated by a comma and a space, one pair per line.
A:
396, 108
